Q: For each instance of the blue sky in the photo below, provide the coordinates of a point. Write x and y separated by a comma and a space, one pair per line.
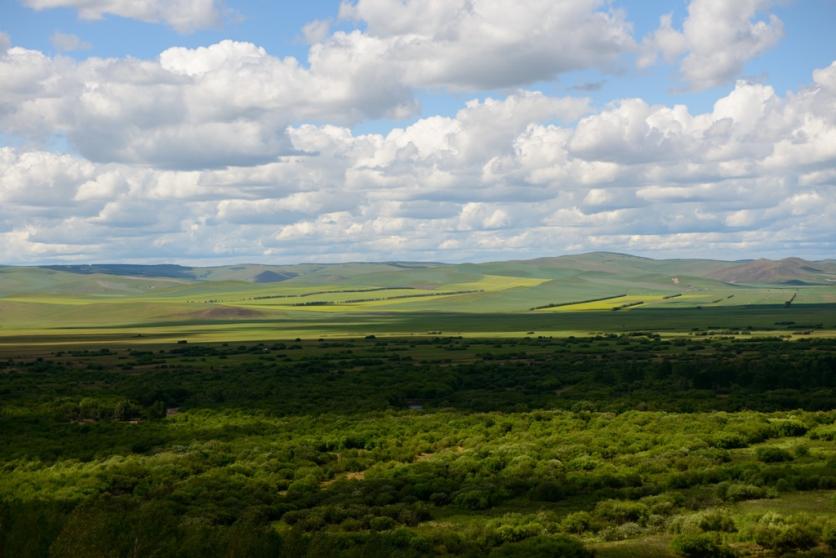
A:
277, 26
427, 130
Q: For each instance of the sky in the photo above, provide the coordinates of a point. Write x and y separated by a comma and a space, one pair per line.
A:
208, 132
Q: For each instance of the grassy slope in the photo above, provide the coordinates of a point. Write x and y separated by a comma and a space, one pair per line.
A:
357, 298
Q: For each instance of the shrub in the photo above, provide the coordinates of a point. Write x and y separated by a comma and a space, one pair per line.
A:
773, 455
381, 523
730, 441
824, 432
620, 511
548, 492
439, 498
717, 521
622, 532
829, 535
293, 517
515, 527
700, 546
518, 532
736, 492
776, 533
89, 408
472, 499
790, 428
662, 504
351, 524
543, 547
577, 523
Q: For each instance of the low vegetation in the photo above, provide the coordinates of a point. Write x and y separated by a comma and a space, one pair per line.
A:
617, 445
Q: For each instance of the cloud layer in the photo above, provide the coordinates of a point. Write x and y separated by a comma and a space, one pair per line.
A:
225, 104
230, 103
229, 152
526, 175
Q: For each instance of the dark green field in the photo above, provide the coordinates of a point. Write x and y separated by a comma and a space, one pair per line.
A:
622, 445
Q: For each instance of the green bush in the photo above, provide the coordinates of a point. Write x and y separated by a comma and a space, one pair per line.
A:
730, 441
786, 428
773, 455
472, 499
518, 532
622, 532
548, 492
382, 523
620, 511
829, 535
737, 492
439, 498
700, 546
543, 547
717, 521
785, 537
577, 523
824, 432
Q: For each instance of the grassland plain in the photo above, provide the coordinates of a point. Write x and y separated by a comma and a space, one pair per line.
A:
555, 296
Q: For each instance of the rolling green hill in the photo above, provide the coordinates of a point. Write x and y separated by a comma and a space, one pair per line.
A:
588, 292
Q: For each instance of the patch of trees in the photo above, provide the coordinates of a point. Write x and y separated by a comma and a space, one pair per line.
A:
627, 305
512, 447
559, 304
315, 293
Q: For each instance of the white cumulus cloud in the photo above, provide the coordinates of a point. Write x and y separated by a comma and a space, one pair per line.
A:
475, 44
717, 38
226, 104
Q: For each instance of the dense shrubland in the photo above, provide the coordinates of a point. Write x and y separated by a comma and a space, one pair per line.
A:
416, 447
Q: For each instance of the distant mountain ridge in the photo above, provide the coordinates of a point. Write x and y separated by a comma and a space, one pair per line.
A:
786, 271
132, 270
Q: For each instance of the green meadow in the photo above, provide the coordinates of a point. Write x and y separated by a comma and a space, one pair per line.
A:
556, 296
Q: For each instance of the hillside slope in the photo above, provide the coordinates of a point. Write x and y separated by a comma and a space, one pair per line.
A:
787, 271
